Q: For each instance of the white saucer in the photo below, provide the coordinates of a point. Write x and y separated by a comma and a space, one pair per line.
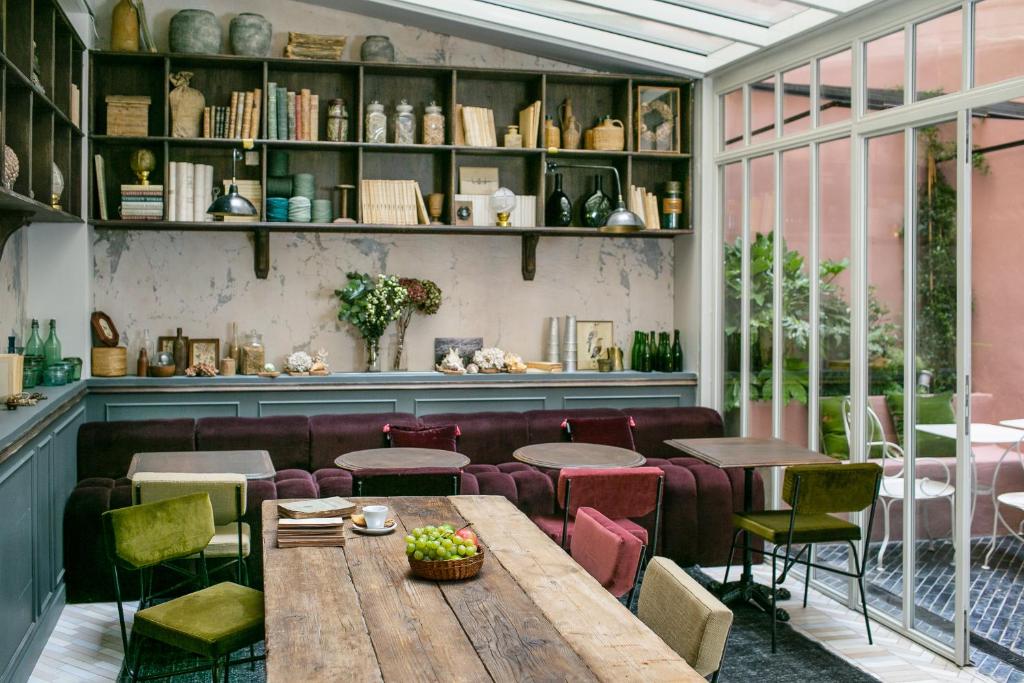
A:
375, 532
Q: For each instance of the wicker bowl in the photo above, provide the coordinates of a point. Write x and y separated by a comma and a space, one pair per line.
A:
448, 570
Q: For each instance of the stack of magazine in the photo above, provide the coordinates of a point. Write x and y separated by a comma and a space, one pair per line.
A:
312, 522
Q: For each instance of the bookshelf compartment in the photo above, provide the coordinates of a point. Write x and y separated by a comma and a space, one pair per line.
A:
122, 77
63, 58
217, 83
62, 158
503, 94
578, 183
118, 171
18, 133
329, 171
42, 31
653, 173
328, 85
18, 43
431, 170
419, 87
592, 100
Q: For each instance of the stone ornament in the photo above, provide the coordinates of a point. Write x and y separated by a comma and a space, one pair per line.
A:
195, 31
250, 35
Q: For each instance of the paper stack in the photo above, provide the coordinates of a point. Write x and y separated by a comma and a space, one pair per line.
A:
313, 46
312, 522
529, 124
645, 205
392, 202
478, 127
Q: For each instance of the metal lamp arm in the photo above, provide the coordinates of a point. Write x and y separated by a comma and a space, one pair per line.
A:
553, 166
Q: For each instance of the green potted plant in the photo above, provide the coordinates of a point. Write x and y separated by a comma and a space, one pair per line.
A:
370, 304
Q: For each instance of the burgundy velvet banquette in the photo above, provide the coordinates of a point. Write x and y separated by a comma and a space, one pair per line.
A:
698, 502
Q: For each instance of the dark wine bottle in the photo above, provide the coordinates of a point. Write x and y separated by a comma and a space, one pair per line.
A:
595, 208
558, 209
677, 354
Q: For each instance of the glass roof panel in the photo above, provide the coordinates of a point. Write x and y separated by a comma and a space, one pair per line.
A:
621, 23
760, 12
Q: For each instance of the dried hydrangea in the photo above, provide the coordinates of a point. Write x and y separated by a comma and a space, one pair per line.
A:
491, 358
300, 361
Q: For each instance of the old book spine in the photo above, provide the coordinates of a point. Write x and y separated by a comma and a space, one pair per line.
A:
282, 113
243, 131
172, 192
271, 111
306, 97
231, 114
314, 117
257, 111
206, 122
291, 116
239, 116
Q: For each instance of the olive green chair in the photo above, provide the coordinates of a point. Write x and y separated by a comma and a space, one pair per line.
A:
815, 494
231, 542
690, 620
212, 622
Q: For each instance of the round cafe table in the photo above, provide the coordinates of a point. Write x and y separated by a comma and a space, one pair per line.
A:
400, 459
567, 455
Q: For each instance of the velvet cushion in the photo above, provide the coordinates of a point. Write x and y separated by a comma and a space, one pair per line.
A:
151, 533
211, 622
442, 438
420, 481
655, 425
105, 449
934, 409
608, 552
285, 437
545, 426
617, 492
609, 431
831, 488
551, 525
833, 431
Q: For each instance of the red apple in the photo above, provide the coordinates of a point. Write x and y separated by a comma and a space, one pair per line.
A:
468, 534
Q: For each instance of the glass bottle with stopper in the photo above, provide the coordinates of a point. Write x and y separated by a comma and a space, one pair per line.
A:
405, 124
376, 123
503, 201
337, 121
433, 125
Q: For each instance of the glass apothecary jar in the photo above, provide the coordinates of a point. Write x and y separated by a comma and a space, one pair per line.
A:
376, 123
55, 375
405, 124
253, 354
433, 125
337, 121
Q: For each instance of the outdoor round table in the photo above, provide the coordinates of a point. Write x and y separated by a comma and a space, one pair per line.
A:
400, 459
566, 455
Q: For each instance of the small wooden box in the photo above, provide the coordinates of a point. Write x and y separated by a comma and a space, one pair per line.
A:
11, 374
128, 115
109, 361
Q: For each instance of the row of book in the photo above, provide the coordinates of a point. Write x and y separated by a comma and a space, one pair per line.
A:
392, 202
292, 115
142, 202
189, 192
240, 120
474, 126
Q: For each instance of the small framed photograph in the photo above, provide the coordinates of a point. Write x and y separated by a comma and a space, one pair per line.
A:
658, 119
167, 344
204, 351
593, 339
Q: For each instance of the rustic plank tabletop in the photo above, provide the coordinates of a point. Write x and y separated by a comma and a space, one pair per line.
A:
356, 613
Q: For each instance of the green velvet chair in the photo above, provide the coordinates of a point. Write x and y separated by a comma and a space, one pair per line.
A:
815, 493
212, 622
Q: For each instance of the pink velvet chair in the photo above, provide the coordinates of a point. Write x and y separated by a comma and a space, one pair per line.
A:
621, 493
608, 552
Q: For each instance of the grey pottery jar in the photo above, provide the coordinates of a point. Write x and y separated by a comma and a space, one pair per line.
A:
377, 49
195, 31
250, 35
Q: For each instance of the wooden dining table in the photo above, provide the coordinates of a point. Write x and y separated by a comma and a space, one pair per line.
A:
356, 613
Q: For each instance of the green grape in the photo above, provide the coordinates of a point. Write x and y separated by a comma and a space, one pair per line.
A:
442, 554
421, 545
430, 529
470, 550
417, 555
410, 548
410, 539
461, 550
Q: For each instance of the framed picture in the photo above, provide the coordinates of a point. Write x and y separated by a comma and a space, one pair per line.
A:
205, 351
658, 120
593, 339
167, 344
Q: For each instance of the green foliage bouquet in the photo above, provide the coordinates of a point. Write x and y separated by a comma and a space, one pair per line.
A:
370, 304
424, 297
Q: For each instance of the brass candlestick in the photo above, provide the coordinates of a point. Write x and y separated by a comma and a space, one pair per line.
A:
435, 207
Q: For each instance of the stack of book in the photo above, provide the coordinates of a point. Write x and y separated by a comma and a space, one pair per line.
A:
292, 115
529, 124
239, 120
645, 205
141, 202
312, 522
251, 190
189, 192
313, 46
475, 126
392, 202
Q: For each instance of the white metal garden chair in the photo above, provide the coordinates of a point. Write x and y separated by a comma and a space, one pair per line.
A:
1011, 499
893, 486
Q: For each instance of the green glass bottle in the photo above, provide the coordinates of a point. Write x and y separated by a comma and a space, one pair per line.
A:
595, 208
664, 353
634, 354
51, 349
652, 346
34, 346
677, 354
645, 353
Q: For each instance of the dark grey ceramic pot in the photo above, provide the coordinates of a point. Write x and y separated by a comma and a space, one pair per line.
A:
250, 35
195, 31
377, 49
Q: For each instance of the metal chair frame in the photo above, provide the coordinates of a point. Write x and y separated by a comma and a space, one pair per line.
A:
645, 558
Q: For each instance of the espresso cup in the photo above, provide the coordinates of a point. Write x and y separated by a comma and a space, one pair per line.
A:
375, 516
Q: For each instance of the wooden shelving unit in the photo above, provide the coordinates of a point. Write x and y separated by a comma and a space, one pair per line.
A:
434, 167
35, 119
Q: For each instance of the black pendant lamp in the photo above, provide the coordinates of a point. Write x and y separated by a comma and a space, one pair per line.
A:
232, 203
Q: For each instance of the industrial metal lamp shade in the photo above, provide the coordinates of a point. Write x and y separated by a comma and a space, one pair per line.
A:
621, 219
232, 203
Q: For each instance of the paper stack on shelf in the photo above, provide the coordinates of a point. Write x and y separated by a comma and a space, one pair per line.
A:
142, 202
189, 192
529, 124
645, 205
392, 202
523, 216
478, 127
251, 190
